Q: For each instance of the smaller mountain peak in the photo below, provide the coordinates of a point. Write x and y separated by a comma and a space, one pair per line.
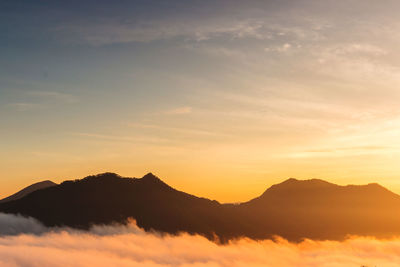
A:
150, 176
108, 174
375, 185
291, 180
48, 182
152, 179
45, 183
308, 182
29, 189
295, 185
102, 176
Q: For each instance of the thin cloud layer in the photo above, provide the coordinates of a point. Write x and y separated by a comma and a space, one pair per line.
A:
210, 91
130, 246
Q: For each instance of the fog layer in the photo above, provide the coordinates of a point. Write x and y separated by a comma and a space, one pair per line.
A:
25, 242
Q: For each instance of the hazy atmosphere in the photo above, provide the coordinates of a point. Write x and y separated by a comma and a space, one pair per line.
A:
199, 133
220, 98
129, 246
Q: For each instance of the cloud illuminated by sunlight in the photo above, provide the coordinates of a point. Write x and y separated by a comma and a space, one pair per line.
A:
118, 245
180, 110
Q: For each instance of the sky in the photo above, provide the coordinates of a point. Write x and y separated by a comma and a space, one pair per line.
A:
220, 99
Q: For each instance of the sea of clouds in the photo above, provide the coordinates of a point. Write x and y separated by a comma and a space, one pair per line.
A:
26, 242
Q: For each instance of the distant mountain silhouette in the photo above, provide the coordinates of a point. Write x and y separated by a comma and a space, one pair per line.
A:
320, 210
29, 189
293, 209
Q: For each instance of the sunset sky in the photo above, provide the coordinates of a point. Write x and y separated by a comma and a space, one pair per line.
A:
220, 100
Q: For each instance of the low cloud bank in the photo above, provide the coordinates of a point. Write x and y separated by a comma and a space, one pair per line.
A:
31, 244
15, 224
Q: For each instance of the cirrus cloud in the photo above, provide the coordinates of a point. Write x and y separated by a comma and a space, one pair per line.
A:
180, 110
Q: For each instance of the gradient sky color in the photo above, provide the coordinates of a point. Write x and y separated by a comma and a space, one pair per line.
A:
218, 98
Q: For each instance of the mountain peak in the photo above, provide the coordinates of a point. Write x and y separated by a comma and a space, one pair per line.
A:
150, 177
308, 183
292, 185
29, 189
307, 190
290, 180
103, 176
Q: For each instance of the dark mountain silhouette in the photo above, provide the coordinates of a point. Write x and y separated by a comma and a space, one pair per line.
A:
29, 189
293, 209
321, 210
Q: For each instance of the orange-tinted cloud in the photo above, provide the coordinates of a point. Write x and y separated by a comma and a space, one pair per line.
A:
130, 246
